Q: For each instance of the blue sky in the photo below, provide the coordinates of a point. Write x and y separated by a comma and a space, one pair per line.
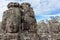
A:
43, 9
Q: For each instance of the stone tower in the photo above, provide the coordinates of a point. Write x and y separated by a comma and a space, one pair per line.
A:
19, 22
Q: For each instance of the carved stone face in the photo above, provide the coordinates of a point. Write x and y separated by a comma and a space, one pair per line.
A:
11, 27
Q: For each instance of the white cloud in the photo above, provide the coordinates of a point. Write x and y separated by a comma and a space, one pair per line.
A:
48, 5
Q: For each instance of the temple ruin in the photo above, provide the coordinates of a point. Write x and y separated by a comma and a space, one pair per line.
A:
19, 22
